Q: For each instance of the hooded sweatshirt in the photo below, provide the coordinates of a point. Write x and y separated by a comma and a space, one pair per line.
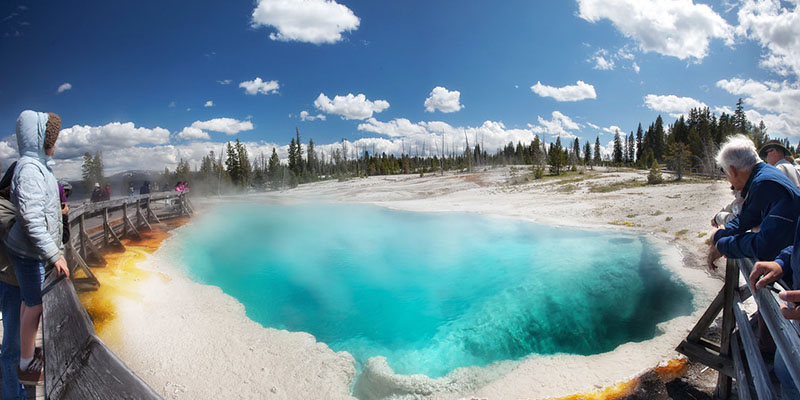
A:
34, 191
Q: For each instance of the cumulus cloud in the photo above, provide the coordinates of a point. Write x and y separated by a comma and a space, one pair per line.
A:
676, 28
778, 102
257, 86
673, 105
559, 125
775, 28
444, 100
228, 126
311, 21
79, 139
603, 64
435, 137
305, 116
64, 87
580, 91
350, 107
209, 104
225, 82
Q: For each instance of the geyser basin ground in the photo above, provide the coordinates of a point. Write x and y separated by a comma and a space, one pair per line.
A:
432, 292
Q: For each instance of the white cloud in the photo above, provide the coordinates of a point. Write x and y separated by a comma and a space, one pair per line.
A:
674, 105
64, 87
775, 28
192, 133
771, 96
444, 100
209, 104
677, 28
613, 129
559, 125
172, 104
312, 21
257, 86
435, 137
350, 107
305, 116
593, 125
603, 64
580, 91
228, 126
225, 82
636, 67
79, 139
778, 102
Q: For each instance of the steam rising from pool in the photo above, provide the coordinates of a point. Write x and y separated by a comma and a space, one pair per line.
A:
432, 292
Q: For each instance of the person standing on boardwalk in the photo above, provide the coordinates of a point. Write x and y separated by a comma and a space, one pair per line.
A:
96, 193
34, 240
770, 200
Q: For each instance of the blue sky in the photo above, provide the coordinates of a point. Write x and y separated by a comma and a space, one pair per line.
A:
151, 82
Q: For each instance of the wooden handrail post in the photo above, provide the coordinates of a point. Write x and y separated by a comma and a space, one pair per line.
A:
105, 227
124, 220
82, 234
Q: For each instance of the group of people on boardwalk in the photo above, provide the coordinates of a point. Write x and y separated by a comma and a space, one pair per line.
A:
763, 223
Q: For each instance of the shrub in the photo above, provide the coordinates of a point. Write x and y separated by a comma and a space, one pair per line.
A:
654, 177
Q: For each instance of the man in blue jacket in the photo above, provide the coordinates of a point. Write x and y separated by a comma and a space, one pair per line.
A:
771, 201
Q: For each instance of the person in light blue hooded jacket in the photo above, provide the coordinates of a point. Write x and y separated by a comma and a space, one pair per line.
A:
34, 240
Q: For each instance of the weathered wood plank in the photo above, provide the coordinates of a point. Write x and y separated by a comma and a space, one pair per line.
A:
708, 317
742, 385
755, 362
728, 323
703, 355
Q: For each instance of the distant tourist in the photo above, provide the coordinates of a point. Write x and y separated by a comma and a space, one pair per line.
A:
34, 240
145, 189
131, 190
97, 193
105, 194
770, 200
777, 155
64, 190
179, 187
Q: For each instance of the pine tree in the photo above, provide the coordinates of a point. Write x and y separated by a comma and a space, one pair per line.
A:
678, 156
87, 171
631, 149
245, 168
639, 134
597, 158
654, 177
587, 154
274, 170
312, 158
617, 149
659, 139
556, 157
232, 165
576, 151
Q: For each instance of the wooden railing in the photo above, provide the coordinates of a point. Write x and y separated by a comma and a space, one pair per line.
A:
77, 363
738, 339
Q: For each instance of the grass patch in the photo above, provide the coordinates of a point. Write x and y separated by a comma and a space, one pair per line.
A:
614, 186
701, 234
681, 232
632, 216
622, 223
657, 213
566, 188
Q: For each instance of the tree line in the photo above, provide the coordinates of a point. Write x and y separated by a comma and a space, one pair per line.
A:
690, 143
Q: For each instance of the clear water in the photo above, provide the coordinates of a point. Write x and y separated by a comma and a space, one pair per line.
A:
432, 291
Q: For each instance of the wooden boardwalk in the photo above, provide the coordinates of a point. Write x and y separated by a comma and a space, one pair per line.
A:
77, 363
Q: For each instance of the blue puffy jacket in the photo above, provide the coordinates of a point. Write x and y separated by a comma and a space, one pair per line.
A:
34, 191
772, 201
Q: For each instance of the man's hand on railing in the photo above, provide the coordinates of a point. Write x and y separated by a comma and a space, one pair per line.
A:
764, 273
713, 255
794, 297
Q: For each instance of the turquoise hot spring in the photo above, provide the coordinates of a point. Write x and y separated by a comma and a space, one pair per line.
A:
432, 292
